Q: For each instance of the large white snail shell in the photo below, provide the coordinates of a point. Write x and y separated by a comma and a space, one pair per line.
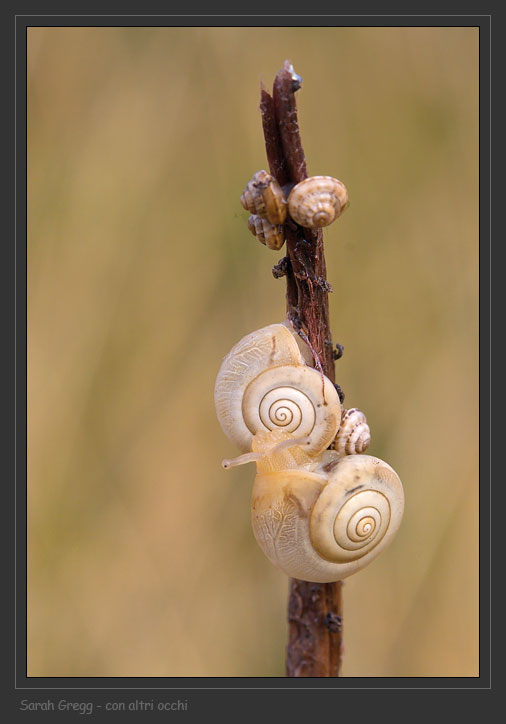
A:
325, 525
264, 384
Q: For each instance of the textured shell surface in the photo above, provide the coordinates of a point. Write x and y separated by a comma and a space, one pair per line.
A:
325, 525
317, 201
304, 349
353, 436
269, 234
296, 398
358, 512
263, 196
273, 345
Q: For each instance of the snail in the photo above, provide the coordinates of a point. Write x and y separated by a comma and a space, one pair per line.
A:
353, 435
320, 519
267, 382
263, 197
269, 234
318, 514
317, 201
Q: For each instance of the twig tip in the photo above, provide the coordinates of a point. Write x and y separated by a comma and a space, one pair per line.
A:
296, 78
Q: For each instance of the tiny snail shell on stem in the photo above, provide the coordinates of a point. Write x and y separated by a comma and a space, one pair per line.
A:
269, 234
353, 436
317, 201
264, 197
322, 519
265, 383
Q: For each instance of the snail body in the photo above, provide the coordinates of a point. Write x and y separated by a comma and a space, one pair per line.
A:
317, 201
264, 197
323, 520
353, 436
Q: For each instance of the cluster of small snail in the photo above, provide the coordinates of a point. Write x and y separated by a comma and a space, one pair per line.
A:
312, 203
321, 509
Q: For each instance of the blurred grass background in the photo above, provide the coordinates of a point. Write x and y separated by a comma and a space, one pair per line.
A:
142, 275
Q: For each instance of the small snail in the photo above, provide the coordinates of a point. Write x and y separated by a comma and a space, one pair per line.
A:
320, 519
318, 514
266, 382
269, 234
353, 435
263, 197
317, 201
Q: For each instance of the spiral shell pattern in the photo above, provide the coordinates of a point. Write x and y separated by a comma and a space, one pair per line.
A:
264, 197
274, 345
269, 234
324, 524
295, 398
265, 383
348, 523
353, 436
287, 408
359, 525
317, 201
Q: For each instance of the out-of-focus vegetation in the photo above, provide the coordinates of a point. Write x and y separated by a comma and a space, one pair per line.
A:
141, 276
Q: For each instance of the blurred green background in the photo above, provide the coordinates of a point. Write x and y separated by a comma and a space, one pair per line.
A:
142, 275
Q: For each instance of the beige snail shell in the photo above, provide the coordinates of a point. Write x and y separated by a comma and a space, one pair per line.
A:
323, 521
353, 436
269, 234
265, 383
317, 201
263, 197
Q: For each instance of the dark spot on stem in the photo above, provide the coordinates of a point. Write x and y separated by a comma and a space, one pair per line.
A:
333, 622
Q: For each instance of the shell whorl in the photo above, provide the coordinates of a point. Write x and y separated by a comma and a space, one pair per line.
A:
295, 398
269, 234
264, 197
353, 436
317, 201
265, 384
274, 345
358, 511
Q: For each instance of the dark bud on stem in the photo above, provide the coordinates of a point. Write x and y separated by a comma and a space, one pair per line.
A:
333, 622
281, 268
339, 392
338, 352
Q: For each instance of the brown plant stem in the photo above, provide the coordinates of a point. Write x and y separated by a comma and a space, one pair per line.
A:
314, 609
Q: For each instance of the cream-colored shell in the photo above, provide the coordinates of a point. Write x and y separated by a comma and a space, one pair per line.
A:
353, 436
269, 234
327, 524
304, 350
317, 201
264, 383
